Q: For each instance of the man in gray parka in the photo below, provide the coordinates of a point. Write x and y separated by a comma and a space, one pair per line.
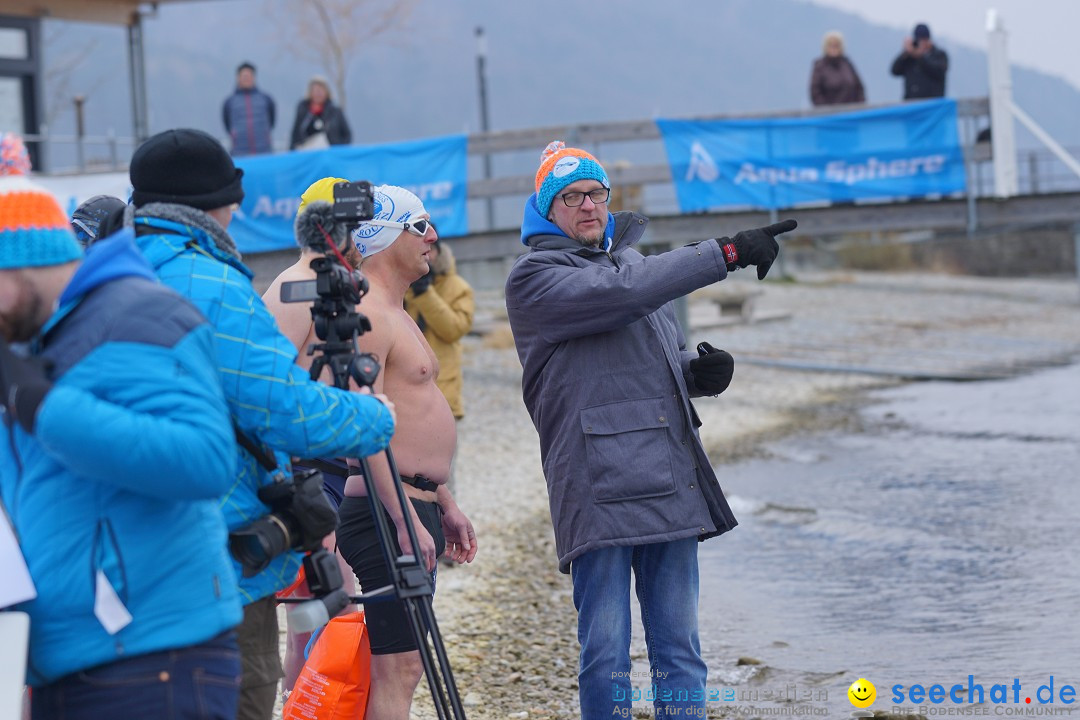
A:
608, 383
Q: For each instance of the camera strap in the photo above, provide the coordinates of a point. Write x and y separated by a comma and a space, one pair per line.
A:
143, 230
261, 456
326, 467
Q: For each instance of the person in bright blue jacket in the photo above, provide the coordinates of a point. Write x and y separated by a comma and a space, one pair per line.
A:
117, 448
186, 188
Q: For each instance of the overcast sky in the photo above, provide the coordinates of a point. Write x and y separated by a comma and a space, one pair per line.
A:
1042, 33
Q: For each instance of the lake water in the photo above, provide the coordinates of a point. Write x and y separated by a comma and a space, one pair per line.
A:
939, 543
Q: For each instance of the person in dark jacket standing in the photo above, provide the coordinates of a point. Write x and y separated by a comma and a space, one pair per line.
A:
834, 80
249, 115
608, 381
319, 122
922, 65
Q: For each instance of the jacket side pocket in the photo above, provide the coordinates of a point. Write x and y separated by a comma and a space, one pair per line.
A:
628, 450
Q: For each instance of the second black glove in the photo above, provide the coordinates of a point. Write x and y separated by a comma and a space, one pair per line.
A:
713, 370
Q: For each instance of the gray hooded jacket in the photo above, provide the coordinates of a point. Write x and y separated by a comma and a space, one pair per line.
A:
605, 380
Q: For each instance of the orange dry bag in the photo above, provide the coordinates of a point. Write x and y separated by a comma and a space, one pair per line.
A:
336, 678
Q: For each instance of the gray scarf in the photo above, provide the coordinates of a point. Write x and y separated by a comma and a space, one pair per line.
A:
184, 215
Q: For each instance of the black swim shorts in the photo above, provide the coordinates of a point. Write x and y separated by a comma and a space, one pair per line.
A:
388, 627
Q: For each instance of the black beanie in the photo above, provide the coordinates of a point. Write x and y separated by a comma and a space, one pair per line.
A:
186, 167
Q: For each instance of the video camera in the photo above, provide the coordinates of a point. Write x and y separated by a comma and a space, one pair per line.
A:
353, 203
336, 289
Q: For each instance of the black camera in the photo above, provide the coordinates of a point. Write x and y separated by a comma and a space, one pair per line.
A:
331, 281
337, 288
354, 202
316, 229
300, 517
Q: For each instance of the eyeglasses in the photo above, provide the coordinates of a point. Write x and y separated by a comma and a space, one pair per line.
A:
417, 227
576, 199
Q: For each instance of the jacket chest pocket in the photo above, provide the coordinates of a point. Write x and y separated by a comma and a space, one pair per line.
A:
627, 446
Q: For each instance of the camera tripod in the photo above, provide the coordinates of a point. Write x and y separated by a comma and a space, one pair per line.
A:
339, 326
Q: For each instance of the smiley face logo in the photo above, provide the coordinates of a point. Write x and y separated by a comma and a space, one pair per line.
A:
862, 693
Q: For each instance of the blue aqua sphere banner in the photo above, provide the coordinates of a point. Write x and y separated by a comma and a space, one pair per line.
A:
434, 169
906, 151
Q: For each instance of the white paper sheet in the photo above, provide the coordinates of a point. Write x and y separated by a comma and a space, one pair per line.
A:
15, 630
108, 607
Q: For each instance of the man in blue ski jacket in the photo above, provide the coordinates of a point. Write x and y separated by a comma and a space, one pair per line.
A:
117, 449
186, 188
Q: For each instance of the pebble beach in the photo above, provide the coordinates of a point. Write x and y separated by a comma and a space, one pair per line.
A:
805, 356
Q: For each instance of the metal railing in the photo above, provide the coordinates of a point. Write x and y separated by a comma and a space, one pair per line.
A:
66, 154
1041, 171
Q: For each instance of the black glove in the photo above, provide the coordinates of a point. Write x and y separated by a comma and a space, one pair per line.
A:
420, 286
24, 382
713, 370
755, 247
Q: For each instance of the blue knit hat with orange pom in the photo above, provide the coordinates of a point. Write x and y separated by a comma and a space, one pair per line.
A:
560, 166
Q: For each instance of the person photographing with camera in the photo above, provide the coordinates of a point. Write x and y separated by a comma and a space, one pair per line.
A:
186, 188
922, 65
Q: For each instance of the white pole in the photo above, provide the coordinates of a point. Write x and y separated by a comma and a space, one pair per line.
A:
1044, 137
1002, 137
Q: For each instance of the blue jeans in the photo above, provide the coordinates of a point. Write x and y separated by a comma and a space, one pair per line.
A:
666, 581
200, 682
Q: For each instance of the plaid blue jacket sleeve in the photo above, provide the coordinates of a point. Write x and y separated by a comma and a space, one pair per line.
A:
275, 401
270, 397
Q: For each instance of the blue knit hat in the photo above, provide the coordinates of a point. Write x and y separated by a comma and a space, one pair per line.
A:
560, 166
34, 231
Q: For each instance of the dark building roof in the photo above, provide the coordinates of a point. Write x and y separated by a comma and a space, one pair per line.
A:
111, 12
